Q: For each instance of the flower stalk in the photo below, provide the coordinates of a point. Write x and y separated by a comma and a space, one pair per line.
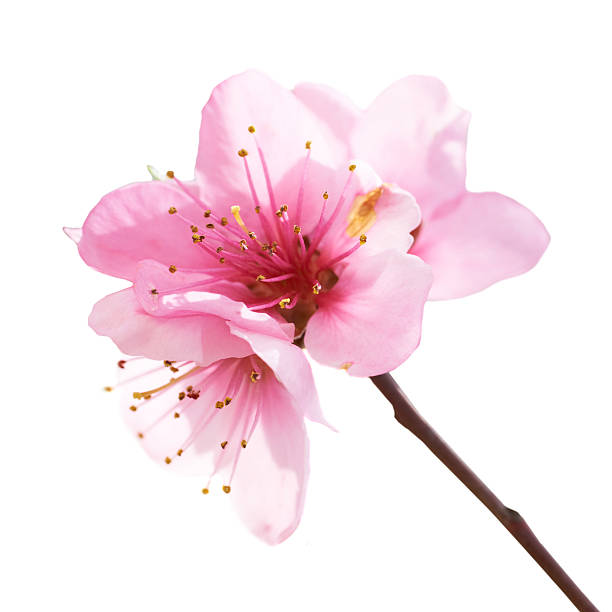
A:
407, 415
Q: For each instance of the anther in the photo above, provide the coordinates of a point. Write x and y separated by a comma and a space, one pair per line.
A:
168, 460
252, 236
154, 292
308, 143
243, 444
352, 167
363, 239
228, 400
121, 363
207, 213
170, 174
172, 210
243, 152
176, 415
260, 277
255, 376
219, 405
179, 452
205, 491
133, 408
172, 269
284, 302
224, 221
297, 229
252, 129
181, 396
108, 389
258, 209
194, 229
224, 444
226, 488
210, 225
316, 288
168, 363
243, 245
221, 259
140, 435
219, 249
325, 195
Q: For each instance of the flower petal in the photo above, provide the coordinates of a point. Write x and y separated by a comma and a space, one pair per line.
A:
132, 223
290, 367
282, 123
333, 108
199, 338
415, 136
370, 321
477, 240
271, 478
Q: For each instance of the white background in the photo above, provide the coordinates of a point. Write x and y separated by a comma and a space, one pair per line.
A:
516, 378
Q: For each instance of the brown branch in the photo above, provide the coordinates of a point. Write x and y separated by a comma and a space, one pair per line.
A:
407, 415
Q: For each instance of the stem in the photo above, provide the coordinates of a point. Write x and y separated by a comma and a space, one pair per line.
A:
407, 415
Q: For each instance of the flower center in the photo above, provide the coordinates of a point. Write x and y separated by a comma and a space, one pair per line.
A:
283, 269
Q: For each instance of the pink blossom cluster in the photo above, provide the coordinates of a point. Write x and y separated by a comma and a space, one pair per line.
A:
310, 223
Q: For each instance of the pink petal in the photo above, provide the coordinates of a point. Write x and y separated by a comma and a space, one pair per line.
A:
271, 478
415, 136
370, 321
180, 303
283, 125
477, 240
74, 233
199, 338
290, 367
133, 223
333, 108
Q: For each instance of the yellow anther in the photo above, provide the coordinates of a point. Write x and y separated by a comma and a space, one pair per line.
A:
177, 415
346, 365
224, 444
228, 400
121, 363
172, 269
221, 259
226, 488
108, 389
243, 245
316, 288
140, 435
181, 396
219, 405
179, 452
219, 249
205, 491
243, 444
258, 209
170, 174
363, 239
308, 143
168, 460
243, 152
210, 225
194, 229
252, 129
352, 167
255, 376
260, 277
325, 195
154, 292
172, 210
168, 363
284, 208
133, 408
284, 302
224, 221
279, 213
297, 229
252, 236
207, 213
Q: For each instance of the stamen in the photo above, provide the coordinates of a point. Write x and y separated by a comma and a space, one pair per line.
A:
172, 381
335, 260
264, 167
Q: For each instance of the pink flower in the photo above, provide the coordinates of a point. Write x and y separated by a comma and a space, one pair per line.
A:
229, 269
284, 233
239, 418
415, 136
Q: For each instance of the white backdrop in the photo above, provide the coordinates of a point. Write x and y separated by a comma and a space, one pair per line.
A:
516, 378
